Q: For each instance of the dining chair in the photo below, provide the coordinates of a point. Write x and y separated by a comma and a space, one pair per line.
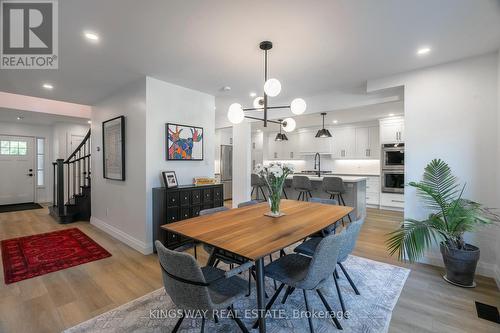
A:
303, 185
307, 273
335, 187
331, 228
217, 255
205, 289
250, 203
351, 235
257, 184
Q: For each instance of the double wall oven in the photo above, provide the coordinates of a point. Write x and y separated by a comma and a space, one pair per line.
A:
393, 168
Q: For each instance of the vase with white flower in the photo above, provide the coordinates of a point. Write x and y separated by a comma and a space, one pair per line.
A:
274, 176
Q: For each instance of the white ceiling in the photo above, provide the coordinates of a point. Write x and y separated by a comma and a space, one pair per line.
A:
37, 118
320, 45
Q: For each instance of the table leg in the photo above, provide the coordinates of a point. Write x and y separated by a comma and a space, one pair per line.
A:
259, 268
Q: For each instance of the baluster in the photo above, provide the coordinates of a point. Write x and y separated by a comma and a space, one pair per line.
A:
68, 178
74, 177
54, 185
60, 186
84, 165
79, 173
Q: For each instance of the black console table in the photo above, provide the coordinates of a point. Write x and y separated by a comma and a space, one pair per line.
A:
180, 203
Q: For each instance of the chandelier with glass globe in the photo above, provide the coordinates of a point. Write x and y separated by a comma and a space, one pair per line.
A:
272, 88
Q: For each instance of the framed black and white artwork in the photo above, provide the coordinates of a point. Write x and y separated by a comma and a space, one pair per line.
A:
113, 148
169, 179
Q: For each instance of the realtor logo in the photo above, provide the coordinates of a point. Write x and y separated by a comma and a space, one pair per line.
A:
29, 34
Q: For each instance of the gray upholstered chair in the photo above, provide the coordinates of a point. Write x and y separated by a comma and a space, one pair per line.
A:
335, 187
249, 203
331, 228
307, 273
257, 184
303, 185
192, 288
352, 232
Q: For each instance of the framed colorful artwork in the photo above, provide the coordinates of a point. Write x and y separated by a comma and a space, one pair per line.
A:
184, 143
113, 148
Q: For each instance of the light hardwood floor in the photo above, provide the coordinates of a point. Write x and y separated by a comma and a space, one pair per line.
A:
58, 300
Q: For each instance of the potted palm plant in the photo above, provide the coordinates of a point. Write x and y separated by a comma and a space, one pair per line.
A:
450, 217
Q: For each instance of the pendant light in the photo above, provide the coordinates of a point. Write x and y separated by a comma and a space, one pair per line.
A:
281, 136
323, 133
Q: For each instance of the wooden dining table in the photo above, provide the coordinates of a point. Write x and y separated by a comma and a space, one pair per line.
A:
249, 233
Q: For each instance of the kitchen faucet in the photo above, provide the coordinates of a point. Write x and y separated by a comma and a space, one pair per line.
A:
318, 163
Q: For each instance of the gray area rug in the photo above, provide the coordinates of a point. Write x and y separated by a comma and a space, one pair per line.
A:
380, 285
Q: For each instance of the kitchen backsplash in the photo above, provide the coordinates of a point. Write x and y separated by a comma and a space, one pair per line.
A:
337, 166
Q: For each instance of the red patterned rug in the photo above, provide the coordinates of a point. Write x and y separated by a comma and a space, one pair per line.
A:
30, 256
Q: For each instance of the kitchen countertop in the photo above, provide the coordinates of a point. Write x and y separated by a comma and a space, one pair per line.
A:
347, 179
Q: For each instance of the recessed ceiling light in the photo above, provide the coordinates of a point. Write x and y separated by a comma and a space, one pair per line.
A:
252, 94
226, 88
423, 50
91, 36
20, 118
391, 114
335, 121
89, 122
48, 86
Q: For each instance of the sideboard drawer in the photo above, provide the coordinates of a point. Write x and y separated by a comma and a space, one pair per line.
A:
207, 195
196, 197
218, 194
185, 213
172, 215
195, 211
184, 198
172, 199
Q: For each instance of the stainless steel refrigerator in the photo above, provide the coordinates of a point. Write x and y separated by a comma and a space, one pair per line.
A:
226, 170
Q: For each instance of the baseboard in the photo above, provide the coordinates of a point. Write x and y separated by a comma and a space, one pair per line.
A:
483, 268
122, 236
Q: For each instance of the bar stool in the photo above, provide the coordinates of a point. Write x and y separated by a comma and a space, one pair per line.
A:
303, 185
257, 183
335, 187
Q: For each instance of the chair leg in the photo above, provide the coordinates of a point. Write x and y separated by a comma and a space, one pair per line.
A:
216, 319
310, 195
274, 281
263, 194
202, 330
300, 194
342, 305
349, 279
270, 303
336, 274
178, 324
237, 320
284, 192
282, 253
251, 193
216, 262
309, 318
329, 309
249, 282
343, 203
288, 292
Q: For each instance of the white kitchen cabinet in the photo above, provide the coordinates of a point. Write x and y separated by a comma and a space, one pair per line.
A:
374, 148
394, 201
308, 143
282, 150
373, 191
344, 142
391, 130
290, 150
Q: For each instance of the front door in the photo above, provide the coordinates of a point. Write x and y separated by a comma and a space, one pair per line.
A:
17, 170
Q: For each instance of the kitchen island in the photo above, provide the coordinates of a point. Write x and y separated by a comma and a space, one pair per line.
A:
355, 195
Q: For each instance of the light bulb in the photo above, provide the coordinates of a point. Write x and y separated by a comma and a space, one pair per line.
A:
290, 124
272, 87
298, 106
258, 102
235, 113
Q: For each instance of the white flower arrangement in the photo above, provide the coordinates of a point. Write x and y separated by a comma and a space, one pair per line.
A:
274, 175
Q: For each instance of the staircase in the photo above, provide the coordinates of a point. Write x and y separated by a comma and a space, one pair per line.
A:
71, 199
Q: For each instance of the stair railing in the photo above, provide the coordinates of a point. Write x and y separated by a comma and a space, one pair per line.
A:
72, 174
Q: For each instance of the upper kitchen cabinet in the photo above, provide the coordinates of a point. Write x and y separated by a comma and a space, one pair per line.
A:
282, 150
344, 142
367, 142
392, 130
309, 144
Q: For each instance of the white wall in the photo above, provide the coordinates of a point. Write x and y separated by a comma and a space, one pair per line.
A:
119, 207
451, 113
124, 209
62, 137
44, 193
170, 103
